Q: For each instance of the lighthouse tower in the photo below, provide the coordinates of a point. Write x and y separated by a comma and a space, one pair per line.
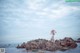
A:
53, 33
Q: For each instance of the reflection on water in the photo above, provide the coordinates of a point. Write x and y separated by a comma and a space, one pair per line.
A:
15, 50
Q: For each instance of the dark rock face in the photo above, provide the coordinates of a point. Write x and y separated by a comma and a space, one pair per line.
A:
43, 44
78, 39
66, 43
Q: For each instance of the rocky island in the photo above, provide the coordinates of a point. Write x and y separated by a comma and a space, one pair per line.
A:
49, 45
43, 44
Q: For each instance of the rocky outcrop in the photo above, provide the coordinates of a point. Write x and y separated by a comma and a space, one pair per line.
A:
78, 40
42, 44
66, 43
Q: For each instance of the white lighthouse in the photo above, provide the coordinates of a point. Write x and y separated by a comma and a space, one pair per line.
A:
53, 33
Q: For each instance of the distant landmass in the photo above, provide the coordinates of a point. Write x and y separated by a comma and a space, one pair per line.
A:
8, 45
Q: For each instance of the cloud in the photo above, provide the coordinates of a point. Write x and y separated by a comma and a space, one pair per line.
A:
36, 4
37, 10
60, 12
55, 10
36, 14
30, 16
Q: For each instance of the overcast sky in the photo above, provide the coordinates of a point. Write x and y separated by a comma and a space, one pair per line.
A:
24, 20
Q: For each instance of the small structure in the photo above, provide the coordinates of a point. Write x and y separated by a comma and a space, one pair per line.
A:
53, 33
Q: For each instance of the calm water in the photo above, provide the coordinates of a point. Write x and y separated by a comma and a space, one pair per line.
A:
15, 50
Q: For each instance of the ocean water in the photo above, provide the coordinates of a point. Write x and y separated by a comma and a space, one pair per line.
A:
15, 50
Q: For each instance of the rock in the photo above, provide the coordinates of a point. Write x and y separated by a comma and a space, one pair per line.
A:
23, 45
78, 40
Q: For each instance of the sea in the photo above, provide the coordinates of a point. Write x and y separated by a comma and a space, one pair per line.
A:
12, 49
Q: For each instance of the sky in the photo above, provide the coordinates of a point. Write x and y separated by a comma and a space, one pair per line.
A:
25, 20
